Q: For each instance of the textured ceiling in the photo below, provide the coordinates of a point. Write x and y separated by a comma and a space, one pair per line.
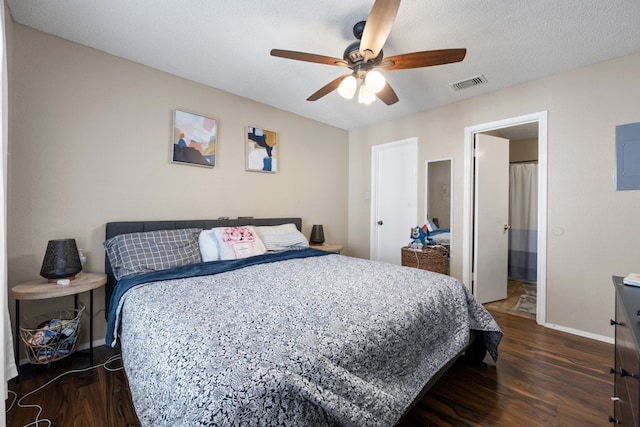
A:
226, 44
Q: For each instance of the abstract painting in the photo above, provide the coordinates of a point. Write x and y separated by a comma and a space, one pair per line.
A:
194, 139
261, 150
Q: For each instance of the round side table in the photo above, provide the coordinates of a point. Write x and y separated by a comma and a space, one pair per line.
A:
40, 289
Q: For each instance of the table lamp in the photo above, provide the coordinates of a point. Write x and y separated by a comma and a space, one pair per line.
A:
61, 260
317, 235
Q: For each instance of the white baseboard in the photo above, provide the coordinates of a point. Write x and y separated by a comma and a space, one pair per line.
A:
609, 340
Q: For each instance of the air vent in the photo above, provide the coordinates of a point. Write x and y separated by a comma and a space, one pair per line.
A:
473, 81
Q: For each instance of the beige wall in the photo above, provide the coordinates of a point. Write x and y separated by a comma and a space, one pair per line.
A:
90, 140
523, 150
593, 230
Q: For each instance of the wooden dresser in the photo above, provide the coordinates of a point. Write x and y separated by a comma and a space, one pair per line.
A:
626, 384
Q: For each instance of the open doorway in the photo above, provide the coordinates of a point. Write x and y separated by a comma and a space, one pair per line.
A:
520, 298
521, 129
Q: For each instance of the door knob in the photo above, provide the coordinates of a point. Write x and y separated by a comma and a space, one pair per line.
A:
507, 227
379, 222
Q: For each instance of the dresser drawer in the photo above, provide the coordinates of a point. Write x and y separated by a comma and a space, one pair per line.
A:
627, 368
626, 351
622, 413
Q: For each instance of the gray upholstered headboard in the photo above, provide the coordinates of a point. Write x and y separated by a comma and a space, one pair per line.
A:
124, 227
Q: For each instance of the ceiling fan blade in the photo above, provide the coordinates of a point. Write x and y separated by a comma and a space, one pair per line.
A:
423, 59
308, 57
328, 88
378, 27
387, 95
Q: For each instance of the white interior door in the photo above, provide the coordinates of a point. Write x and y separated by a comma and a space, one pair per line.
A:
491, 216
394, 178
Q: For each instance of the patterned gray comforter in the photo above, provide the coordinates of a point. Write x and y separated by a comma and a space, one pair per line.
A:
328, 340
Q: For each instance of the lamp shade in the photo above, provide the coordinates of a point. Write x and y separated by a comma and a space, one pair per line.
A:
365, 96
374, 81
317, 234
348, 87
61, 260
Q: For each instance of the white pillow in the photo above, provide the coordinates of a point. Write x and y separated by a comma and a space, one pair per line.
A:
209, 250
282, 237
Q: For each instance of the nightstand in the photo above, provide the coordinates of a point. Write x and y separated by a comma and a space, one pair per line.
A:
41, 289
329, 248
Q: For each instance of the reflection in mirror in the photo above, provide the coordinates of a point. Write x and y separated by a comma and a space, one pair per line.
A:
438, 206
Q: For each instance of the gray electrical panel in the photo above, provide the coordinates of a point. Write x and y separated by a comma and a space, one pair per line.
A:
628, 157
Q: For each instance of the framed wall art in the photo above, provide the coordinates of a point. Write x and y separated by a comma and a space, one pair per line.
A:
194, 139
261, 150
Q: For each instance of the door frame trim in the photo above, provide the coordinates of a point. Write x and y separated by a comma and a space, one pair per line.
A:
376, 151
467, 219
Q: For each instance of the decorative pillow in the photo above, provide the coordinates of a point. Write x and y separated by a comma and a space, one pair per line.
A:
235, 243
282, 237
137, 253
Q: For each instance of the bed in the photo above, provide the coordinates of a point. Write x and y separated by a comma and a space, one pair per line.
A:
286, 337
441, 236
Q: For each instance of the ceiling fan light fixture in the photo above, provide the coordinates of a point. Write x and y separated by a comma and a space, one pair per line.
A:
348, 86
365, 54
365, 96
374, 81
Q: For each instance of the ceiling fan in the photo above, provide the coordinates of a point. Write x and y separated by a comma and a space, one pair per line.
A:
365, 54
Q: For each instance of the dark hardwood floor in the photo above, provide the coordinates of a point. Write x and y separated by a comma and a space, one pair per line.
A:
543, 378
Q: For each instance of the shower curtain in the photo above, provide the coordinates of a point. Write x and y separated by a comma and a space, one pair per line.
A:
523, 217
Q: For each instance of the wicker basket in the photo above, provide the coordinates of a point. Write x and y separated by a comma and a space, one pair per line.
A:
432, 258
50, 337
